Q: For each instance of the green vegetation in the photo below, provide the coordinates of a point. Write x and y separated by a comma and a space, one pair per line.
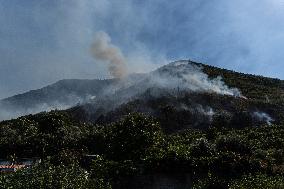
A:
49, 176
231, 149
137, 146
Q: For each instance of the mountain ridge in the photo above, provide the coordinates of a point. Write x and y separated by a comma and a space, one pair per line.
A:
71, 92
180, 126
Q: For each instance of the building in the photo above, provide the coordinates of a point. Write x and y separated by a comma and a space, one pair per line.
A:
7, 166
10, 168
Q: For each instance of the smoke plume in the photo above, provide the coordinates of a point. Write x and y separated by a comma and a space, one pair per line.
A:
187, 76
263, 117
103, 50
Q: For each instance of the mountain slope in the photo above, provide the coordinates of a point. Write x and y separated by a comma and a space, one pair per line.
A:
196, 130
254, 87
60, 95
102, 96
181, 96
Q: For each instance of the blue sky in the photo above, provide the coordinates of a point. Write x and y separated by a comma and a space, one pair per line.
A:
42, 41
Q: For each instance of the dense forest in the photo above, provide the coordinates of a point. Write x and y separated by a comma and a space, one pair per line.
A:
176, 139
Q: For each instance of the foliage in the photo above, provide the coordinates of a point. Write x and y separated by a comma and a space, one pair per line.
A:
258, 182
174, 134
131, 137
50, 176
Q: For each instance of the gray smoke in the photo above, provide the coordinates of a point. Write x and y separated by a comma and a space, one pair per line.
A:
172, 79
103, 50
263, 117
206, 111
10, 111
187, 76
177, 76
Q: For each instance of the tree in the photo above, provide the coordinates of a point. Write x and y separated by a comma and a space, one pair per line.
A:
131, 137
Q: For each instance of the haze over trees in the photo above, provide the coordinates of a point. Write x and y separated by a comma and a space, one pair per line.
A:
183, 138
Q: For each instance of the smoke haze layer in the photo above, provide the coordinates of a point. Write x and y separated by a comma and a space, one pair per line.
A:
180, 75
48, 40
264, 117
188, 76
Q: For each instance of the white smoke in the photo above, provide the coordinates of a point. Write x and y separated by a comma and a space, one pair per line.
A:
207, 111
263, 117
181, 75
172, 78
187, 76
203, 110
11, 112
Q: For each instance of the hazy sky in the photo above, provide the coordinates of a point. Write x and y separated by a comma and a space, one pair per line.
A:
42, 41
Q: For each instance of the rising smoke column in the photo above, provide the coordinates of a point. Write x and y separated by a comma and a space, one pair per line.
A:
102, 49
